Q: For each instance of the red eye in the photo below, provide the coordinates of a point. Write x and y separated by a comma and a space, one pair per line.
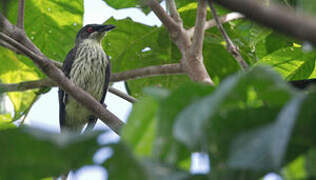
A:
90, 29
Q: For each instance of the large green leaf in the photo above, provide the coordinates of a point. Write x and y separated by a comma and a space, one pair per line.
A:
265, 147
241, 103
52, 26
292, 62
13, 70
135, 169
37, 154
126, 45
120, 4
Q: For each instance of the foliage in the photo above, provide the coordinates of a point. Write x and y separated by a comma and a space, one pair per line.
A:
250, 124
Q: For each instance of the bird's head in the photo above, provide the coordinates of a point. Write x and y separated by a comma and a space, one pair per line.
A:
93, 32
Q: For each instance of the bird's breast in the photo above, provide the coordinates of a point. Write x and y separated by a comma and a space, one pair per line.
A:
89, 69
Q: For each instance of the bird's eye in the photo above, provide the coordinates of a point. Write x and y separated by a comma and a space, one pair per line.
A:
90, 30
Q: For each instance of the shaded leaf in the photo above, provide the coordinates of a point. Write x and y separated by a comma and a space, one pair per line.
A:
265, 147
39, 154
167, 148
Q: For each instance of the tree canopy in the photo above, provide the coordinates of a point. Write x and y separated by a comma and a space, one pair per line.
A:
200, 87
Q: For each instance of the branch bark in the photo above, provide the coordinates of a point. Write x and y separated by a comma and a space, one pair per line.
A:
171, 5
276, 17
148, 72
231, 47
48, 67
172, 26
8, 46
123, 95
194, 61
20, 21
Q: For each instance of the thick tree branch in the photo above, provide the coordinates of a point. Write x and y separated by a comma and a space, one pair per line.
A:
276, 17
223, 19
231, 47
17, 34
171, 6
148, 72
67, 85
193, 60
20, 21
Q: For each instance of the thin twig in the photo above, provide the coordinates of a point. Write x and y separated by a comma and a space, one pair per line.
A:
67, 85
123, 95
231, 47
223, 19
148, 72
27, 85
20, 21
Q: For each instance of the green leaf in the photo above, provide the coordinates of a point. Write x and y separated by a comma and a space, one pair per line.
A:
5, 121
292, 63
37, 154
51, 25
124, 165
265, 147
295, 170
140, 130
310, 164
242, 102
53, 35
126, 46
15, 71
121, 4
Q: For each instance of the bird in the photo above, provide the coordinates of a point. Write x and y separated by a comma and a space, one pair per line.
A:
88, 67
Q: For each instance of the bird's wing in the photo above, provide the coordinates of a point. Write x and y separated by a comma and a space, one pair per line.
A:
107, 80
62, 96
93, 119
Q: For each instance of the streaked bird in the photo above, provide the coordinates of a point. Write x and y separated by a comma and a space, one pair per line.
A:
89, 68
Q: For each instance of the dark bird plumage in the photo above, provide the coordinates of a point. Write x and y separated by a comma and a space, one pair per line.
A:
88, 67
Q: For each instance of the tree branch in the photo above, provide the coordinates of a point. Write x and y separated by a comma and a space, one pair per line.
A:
8, 46
171, 6
193, 61
172, 26
27, 85
67, 85
148, 72
223, 19
47, 83
276, 17
20, 21
231, 47
199, 30
123, 95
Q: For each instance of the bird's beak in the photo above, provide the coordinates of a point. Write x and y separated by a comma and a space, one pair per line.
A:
104, 28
